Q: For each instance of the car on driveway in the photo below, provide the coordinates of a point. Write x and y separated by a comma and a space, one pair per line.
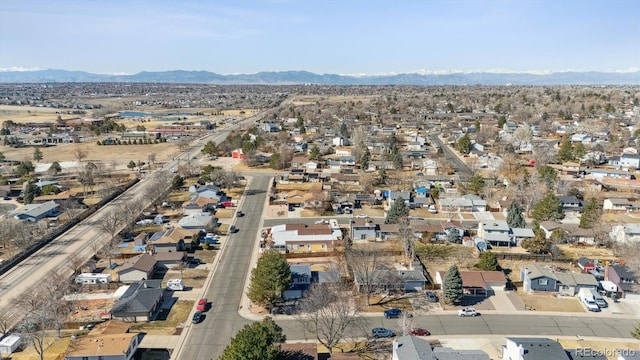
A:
202, 305
392, 313
194, 261
382, 333
419, 332
468, 311
197, 317
431, 296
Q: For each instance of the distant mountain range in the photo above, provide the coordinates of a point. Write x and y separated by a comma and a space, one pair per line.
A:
305, 77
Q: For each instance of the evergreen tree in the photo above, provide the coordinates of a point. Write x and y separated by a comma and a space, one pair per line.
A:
452, 287
590, 214
365, 159
488, 262
397, 210
55, 168
548, 208
131, 165
269, 279
464, 144
256, 341
549, 175
30, 192
177, 182
37, 154
453, 236
538, 244
210, 148
579, 151
515, 219
476, 183
635, 333
565, 153
314, 152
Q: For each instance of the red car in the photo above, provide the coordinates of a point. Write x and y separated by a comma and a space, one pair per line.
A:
228, 204
419, 332
202, 305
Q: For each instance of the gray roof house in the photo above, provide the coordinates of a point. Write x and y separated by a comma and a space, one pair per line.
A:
382, 280
198, 221
139, 267
300, 281
536, 277
533, 349
411, 348
139, 302
442, 353
36, 212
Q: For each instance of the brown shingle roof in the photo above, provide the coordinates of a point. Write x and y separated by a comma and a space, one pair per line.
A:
111, 327
100, 345
142, 262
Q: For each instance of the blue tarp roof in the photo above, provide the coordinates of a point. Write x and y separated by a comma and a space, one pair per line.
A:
139, 248
123, 245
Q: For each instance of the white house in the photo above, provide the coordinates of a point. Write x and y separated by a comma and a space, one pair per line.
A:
625, 233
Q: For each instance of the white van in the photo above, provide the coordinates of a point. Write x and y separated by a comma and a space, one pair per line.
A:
175, 285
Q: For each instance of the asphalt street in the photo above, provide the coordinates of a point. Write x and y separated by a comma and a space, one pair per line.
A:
208, 339
489, 324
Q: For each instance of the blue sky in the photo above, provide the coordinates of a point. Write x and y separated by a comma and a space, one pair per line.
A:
329, 36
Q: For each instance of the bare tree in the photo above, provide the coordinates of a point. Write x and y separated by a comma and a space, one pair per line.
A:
6, 320
111, 223
33, 326
330, 313
79, 153
407, 238
363, 264
151, 158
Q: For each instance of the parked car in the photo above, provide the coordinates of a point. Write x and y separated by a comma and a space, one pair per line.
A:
323, 221
362, 216
468, 311
419, 332
392, 313
239, 213
195, 261
382, 333
228, 204
339, 211
220, 206
202, 305
431, 296
197, 317
233, 229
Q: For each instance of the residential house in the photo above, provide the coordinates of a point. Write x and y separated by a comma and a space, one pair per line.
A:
519, 234
602, 174
395, 194
570, 204
344, 151
478, 283
102, 347
536, 277
198, 221
389, 231
64, 198
300, 282
625, 233
304, 238
384, 280
621, 205
533, 349
430, 167
411, 348
300, 351
271, 127
139, 267
575, 234
172, 240
623, 277
495, 232
294, 198
299, 162
37, 212
466, 203
199, 204
581, 138
364, 229
347, 162
586, 265
139, 302
169, 260
630, 161
443, 353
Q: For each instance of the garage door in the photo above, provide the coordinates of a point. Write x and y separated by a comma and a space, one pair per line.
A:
496, 289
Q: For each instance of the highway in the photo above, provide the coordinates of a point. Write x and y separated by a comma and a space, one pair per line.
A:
208, 339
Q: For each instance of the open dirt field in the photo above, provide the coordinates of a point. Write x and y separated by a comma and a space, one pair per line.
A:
109, 155
591, 252
301, 187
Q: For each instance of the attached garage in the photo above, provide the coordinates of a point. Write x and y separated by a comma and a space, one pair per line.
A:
483, 283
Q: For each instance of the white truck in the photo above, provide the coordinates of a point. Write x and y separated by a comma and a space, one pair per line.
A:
587, 298
600, 301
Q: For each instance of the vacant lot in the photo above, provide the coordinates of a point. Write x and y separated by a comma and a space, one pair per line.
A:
575, 252
194, 277
225, 213
301, 187
544, 302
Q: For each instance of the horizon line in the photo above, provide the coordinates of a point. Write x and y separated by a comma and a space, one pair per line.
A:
356, 75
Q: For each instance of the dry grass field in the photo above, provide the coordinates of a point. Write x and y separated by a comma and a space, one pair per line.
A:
178, 314
576, 252
379, 303
54, 347
548, 302
301, 187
